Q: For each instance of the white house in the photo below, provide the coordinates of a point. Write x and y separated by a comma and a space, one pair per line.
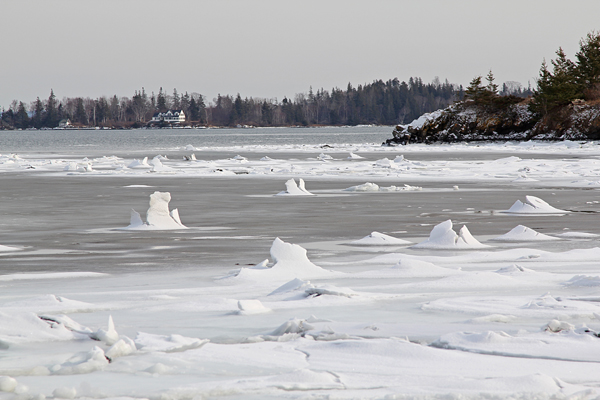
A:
173, 116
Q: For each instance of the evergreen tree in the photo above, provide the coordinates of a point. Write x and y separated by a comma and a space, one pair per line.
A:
38, 114
193, 110
588, 65
80, 115
51, 117
176, 102
161, 101
21, 118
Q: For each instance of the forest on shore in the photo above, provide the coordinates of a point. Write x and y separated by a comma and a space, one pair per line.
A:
378, 103
565, 105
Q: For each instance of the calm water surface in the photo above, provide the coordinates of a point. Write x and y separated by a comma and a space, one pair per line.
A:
74, 141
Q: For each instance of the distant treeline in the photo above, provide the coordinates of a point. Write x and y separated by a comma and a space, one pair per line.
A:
382, 103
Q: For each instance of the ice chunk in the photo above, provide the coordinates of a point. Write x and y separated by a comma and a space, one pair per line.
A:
583, 280
294, 284
7, 384
365, 187
293, 189
330, 290
353, 156
533, 205
443, 237
137, 164
64, 392
108, 336
557, 326
82, 363
158, 216
294, 325
290, 261
522, 233
168, 344
379, 239
123, 347
250, 307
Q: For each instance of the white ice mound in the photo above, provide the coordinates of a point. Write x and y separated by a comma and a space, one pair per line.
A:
533, 205
108, 336
379, 239
293, 189
583, 280
365, 187
137, 164
251, 307
290, 261
158, 216
522, 233
443, 237
168, 344
353, 156
82, 363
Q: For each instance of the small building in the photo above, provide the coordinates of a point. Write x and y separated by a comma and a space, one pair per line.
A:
172, 116
65, 123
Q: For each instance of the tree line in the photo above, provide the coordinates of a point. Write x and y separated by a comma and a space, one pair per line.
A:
568, 82
383, 103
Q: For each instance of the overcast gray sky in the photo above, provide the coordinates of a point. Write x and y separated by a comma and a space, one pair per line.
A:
274, 48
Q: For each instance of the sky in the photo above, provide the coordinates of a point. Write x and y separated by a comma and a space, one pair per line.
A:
275, 48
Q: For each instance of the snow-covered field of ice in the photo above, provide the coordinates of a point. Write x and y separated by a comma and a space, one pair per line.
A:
459, 271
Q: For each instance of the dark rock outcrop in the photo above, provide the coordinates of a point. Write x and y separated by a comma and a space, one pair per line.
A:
466, 121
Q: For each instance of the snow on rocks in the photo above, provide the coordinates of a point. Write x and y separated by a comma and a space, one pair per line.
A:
379, 239
293, 189
522, 233
158, 216
443, 237
533, 205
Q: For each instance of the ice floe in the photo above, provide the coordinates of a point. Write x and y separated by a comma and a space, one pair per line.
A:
522, 233
158, 216
293, 189
533, 205
290, 261
443, 237
379, 239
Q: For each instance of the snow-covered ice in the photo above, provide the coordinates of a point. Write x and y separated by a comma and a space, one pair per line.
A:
90, 311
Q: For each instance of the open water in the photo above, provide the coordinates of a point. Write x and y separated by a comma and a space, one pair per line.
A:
102, 141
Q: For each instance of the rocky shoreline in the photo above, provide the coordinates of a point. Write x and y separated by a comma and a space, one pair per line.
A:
467, 121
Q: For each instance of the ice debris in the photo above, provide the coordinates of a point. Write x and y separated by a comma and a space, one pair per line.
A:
533, 205
522, 233
443, 237
379, 239
293, 189
158, 216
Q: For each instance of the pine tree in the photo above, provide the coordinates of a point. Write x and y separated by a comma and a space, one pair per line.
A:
161, 101
21, 118
588, 65
176, 102
51, 116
